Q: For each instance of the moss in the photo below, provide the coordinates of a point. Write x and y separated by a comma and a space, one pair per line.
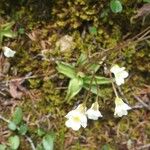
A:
46, 22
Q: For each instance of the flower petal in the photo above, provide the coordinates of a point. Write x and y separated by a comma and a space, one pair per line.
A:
121, 107
72, 124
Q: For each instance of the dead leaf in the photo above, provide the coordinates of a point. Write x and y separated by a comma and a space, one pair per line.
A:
33, 36
15, 89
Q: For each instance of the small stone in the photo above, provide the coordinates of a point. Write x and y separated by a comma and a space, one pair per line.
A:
65, 43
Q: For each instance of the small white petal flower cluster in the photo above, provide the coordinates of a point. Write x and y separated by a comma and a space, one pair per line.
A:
78, 117
119, 73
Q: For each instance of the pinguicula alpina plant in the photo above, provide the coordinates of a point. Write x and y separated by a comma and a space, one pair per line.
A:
90, 81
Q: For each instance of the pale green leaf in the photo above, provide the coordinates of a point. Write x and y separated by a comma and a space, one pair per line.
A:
116, 6
48, 142
23, 129
96, 80
90, 67
94, 89
14, 142
8, 25
9, 34
106, 147
93, 67
12, 126
82, 59
2, 147
93, 30
40, 132
40, 147
66, 69
146, 1
75, 85
17, 116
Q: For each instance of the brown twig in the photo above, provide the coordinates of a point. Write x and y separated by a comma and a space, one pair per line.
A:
143, 147
137, 38
139, 100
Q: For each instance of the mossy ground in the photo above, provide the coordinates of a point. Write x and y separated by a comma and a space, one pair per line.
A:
43, 97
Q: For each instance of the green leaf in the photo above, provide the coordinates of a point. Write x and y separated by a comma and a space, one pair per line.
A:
40, 132
66, 69
40, 147
8, 25
116, 6
93, 67
23, 129
48, 142
93, 89
17, 116
21, 31
6, 31
96, 80
1, 38
12, 126
146, 1
14, 142
93, 30
75, 85
2, 147
9, 34
82, 59
106, 147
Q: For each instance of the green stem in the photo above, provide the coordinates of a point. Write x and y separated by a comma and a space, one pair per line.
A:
113, 85
96, 89
87, 96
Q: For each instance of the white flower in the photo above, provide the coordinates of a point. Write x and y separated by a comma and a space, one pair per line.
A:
77, 118
121, 107
120, 74
94, 113
8, 52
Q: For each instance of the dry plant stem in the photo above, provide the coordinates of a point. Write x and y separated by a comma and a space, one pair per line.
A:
96, 89
144, 32
121, 93
141, 33
27, 137
138, 38
4, 119
143, 147
144, 35
31, 142
24, 78
139, 100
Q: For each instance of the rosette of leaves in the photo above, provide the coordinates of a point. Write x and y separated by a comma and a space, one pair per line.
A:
15, 124
82, 79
